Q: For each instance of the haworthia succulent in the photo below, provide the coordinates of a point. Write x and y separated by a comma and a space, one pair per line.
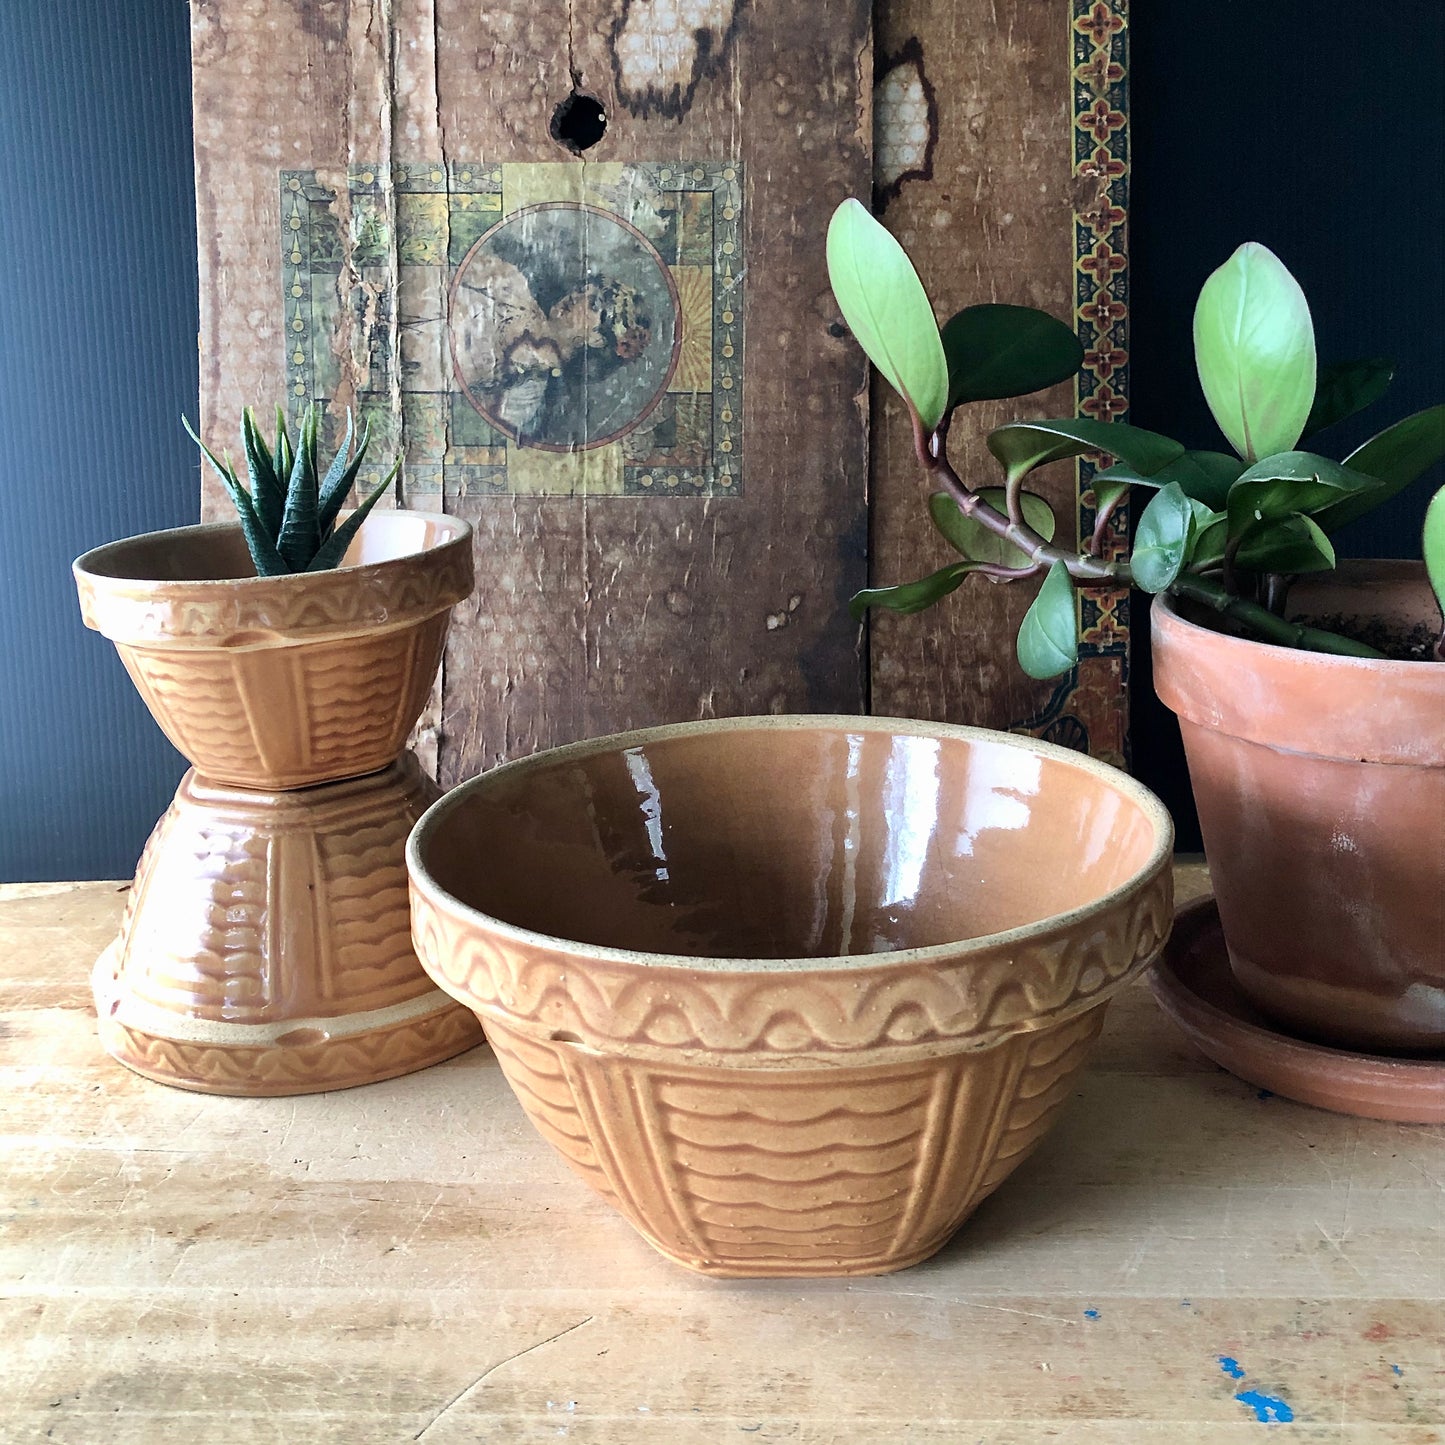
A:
289, 514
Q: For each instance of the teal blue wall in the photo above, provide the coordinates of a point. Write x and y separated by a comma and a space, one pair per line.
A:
1314, 126
97, 361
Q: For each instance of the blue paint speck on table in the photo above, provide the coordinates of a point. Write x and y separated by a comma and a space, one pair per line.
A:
1397, 1369
1269, 1409
1231, 1367
1091, 1314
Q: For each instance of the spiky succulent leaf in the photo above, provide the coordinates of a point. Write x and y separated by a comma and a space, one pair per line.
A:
284, 454
338, 483
334, 548
301, 527
267, 493
264, 556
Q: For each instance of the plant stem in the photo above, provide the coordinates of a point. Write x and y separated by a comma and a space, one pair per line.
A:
1276, 592
1090, 570
933, 454
1263, 623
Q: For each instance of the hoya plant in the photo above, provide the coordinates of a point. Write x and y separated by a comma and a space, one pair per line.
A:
1229, 531
289, 513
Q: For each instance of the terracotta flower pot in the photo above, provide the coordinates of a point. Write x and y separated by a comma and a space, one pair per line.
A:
793, 994
281, 682
266, 944
1320, 783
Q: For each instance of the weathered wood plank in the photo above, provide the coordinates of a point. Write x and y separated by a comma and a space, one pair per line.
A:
409, 1260
985, 201
352, 162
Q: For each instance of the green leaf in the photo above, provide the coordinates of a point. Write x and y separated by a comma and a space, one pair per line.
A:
909, 597
338, 462
975, 541
1254, 346
996, 351
1432, 545
1344, 388
337, 485
1397, 456
1209, 542
1289, 482
1295, 544
1048, 640
266, 490
1023, 445
300, 527
1205, 476
267, 561
284, 454
1162, 539
887, 309
330, 553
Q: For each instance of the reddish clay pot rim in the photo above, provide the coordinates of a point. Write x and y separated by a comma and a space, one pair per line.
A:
1058, 924
131, 608
1389, 710
1221, 1023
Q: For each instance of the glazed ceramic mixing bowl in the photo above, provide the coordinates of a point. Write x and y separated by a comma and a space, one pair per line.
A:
794, 994
282, 682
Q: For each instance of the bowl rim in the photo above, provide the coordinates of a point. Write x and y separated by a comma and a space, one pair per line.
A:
83, 567
1159, 860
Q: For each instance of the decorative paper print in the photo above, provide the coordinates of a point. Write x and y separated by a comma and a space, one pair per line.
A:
559, 329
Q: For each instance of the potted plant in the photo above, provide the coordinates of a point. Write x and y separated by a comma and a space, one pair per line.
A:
1312, 698
265, 946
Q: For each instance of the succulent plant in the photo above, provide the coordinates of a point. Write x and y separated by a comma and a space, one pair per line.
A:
289, 513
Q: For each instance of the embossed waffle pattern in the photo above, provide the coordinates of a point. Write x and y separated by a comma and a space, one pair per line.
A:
979, 996
1050, 1061
260, 1072
828, 1171
398, 592
246, 911
288, 717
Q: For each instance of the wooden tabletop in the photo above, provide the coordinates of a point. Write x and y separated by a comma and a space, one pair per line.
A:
1183, 1260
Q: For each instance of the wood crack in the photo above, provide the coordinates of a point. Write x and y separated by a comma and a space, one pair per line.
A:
492, 1370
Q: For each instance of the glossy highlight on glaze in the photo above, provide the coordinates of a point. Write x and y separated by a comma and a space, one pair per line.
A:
793, 994
768, 843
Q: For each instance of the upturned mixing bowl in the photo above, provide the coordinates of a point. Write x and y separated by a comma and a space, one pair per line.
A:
793, 993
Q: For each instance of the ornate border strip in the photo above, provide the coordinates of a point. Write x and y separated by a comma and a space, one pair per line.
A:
1099, 38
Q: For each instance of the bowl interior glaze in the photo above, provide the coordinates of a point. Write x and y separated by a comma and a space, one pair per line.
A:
790, 838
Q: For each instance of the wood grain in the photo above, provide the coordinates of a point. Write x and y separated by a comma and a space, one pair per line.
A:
990, 218
592, 613
410, 1261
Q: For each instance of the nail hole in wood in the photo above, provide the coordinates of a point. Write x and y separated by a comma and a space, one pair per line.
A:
579, 122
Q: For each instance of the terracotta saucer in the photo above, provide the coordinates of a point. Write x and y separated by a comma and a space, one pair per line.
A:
1194, 986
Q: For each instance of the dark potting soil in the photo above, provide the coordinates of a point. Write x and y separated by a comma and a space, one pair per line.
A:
1394, 639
